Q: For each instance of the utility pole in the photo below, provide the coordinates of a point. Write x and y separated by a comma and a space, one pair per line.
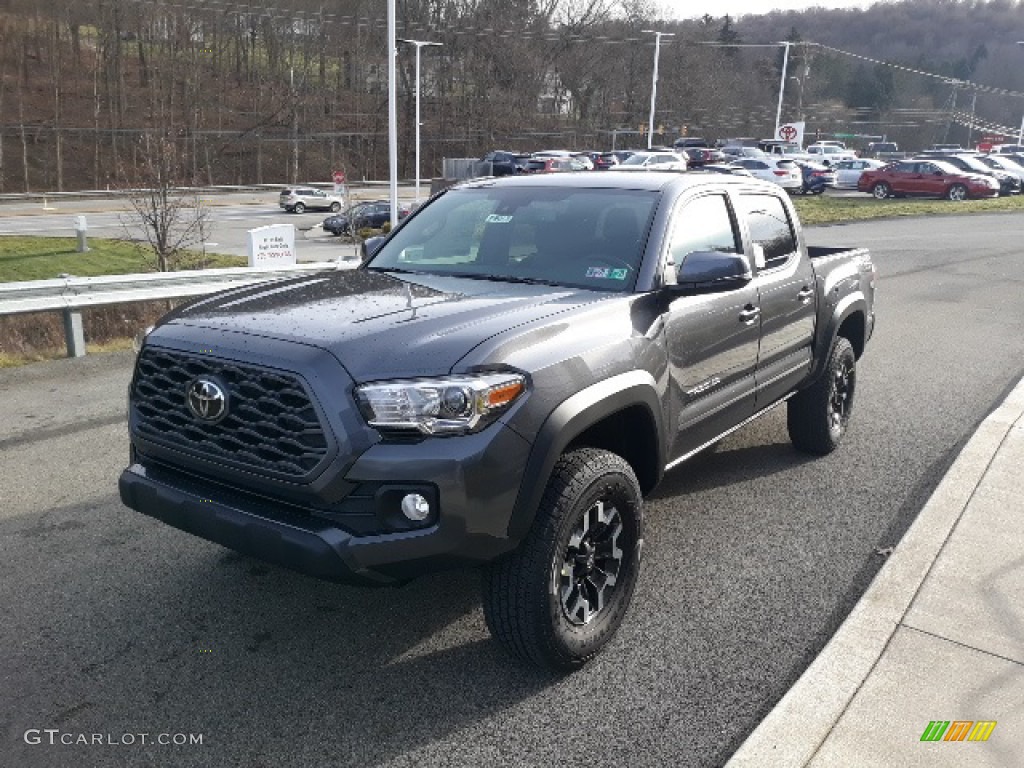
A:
654, 80
419, 44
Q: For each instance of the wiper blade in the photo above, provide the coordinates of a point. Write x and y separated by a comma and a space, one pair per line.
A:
503, 278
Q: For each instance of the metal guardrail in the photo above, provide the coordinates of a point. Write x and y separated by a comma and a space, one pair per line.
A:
71, 295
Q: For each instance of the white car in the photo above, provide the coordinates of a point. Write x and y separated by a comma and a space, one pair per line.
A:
300, 199
780, 170
652, 161
827, 154
848, 171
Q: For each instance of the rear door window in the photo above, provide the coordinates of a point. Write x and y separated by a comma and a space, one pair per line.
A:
770, 228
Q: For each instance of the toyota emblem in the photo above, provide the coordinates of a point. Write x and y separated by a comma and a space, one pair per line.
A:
207, 399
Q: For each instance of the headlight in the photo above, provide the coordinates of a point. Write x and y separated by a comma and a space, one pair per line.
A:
445, 406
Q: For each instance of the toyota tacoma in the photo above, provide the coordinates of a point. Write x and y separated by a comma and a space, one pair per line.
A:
500, 384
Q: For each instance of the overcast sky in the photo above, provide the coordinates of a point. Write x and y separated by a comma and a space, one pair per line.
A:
684, 9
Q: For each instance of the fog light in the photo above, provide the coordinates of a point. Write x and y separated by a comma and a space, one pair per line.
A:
415, 507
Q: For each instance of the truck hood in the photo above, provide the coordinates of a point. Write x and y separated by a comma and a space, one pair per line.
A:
382, 325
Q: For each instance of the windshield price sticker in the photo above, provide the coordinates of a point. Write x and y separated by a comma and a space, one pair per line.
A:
605, 272
496, 218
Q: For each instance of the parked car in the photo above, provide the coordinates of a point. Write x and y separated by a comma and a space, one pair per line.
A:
848, 171
816, 177
373, 215
829, 153
698, 156
730, 168
1008, 149
926, 178
606, 160
779, 170
689, 141
300, 199
877, 149
1004, 163
586, 159
1008, 184
779, 147
652, 161
740, 150
446, 405
506, 163
547, 164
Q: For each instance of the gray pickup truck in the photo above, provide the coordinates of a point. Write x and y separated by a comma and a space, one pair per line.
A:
500, 384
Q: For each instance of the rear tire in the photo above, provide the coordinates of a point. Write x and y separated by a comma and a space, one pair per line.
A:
881, 190
299, 208
558, 599
817, 417
335, 207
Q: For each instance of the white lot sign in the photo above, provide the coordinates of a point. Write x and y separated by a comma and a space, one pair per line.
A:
272, 246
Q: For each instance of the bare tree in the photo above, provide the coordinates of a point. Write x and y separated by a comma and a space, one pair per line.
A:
172, 217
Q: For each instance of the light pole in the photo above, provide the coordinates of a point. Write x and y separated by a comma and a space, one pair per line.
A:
782, 87
654, 80
1020, 134
392, 115
419, 44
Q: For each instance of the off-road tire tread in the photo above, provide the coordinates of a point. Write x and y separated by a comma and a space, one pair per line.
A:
807, 410
516, 620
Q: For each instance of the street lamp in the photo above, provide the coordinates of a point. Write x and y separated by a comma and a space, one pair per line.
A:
392, 114
782, 86
654, 80
1020, 134
419, 44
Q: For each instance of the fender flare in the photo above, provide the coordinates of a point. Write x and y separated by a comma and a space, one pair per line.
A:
570, 419
848, 306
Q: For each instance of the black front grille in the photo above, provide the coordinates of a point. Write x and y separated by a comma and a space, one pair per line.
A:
271, 426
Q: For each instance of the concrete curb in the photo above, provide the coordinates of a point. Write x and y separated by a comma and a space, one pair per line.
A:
800, 723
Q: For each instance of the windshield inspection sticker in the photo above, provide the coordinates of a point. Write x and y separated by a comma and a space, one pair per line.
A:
496, 218
611, 274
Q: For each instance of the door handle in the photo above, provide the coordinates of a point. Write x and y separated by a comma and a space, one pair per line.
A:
805, 295
749, 314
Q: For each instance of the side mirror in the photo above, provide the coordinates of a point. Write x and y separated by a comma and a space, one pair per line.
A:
712, 271
370, 246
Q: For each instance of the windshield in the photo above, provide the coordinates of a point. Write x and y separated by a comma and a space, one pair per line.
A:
976, 165
590, 238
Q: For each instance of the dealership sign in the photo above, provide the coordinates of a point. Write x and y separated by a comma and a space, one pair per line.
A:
793, 132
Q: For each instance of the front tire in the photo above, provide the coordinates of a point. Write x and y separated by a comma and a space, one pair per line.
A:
818, 416
335, 207
881, 190
558, 599
957, 193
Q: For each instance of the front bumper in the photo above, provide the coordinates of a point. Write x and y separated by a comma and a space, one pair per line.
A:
474, 479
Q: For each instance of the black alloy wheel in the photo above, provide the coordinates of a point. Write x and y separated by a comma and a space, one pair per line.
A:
558, 599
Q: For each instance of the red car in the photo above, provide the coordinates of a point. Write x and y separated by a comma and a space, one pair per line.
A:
926, 178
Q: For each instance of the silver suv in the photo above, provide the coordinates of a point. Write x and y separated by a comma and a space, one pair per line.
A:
299, 199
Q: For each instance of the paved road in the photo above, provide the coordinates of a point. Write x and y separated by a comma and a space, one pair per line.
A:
115, 625
231, 216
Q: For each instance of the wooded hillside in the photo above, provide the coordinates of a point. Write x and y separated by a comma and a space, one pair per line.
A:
254, 93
